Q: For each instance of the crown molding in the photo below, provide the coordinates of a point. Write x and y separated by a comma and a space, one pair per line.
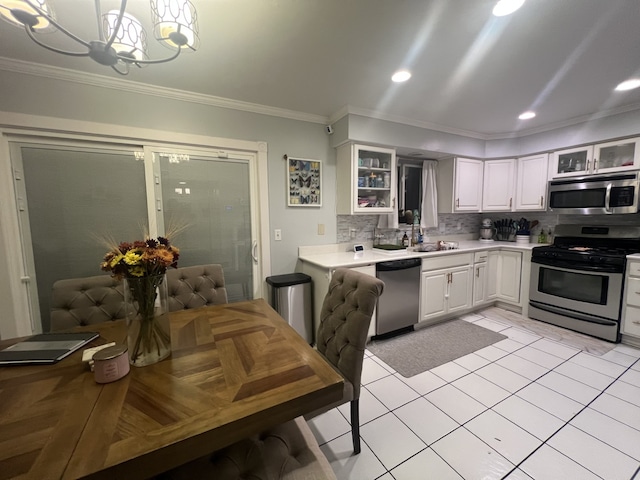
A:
67, 75
350, 110
567, 123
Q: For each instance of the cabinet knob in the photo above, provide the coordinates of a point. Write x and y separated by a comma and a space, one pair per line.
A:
588, 163
457, 202
541, 200
635, 322
595, 164
511, 202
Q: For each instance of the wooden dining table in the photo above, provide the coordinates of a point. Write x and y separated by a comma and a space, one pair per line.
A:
235, 370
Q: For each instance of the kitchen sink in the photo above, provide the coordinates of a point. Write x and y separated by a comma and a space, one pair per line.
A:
433, 246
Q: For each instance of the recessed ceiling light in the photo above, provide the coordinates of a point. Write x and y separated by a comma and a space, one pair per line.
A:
401, 76
628, 84
527, 115
505, 7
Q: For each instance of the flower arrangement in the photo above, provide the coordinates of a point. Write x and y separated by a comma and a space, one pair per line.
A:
142, 265
141, 258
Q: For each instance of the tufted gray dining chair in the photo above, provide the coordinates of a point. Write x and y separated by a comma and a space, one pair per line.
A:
86, 301
342, 334
197, 286
97, 299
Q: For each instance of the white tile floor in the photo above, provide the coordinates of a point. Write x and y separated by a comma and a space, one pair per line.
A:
527, 407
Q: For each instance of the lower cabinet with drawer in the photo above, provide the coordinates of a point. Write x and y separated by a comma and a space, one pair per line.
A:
485, 277
445, 286
631, 316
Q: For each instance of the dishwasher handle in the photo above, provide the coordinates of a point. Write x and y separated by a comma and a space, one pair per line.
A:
393, 265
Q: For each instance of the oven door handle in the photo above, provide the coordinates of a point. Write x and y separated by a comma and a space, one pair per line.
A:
560, 264
607, 199
569, 313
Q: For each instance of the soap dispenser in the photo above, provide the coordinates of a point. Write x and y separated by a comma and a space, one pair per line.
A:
542, 238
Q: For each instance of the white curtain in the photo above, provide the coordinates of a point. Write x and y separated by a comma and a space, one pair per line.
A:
390, 220
429, 207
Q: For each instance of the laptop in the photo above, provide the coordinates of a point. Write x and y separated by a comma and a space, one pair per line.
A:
45, 348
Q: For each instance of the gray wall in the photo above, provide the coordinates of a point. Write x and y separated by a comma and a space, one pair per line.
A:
598, 130
56, 98
383, 132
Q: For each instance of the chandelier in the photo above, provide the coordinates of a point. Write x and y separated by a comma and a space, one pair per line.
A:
122, 41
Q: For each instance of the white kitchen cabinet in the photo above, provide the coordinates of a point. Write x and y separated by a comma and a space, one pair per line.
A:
480, 272
446, 286
365, 180
508, 276
498, 185
460, 185
608, 157
572, 162
616, 156
631, 311
531, 183
492, 275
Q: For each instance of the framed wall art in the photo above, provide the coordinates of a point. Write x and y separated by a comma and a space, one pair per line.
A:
304, 178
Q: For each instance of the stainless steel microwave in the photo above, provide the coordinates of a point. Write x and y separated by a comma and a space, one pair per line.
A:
595, 194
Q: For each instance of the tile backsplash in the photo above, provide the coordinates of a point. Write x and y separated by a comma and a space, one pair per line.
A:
360, 228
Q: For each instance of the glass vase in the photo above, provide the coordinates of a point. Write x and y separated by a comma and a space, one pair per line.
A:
147, 312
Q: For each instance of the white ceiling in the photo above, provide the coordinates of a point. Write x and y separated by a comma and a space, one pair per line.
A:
472, 72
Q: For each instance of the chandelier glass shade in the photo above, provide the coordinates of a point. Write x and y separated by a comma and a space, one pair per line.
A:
122, 41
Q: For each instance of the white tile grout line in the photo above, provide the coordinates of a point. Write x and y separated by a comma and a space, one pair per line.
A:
626, 369
461, 425
513, 394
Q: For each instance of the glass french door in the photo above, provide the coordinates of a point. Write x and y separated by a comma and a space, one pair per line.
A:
74, 197
208, 201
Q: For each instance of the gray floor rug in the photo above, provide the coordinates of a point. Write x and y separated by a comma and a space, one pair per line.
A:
426, 348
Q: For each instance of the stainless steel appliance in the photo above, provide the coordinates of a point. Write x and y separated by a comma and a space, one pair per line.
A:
578, 282
487, 230
399, 305
595, 194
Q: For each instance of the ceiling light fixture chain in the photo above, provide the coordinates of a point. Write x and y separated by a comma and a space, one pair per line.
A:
122, 41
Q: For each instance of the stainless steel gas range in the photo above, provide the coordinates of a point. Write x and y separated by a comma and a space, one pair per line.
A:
577, 283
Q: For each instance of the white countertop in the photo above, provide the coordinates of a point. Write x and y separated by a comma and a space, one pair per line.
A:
369, 256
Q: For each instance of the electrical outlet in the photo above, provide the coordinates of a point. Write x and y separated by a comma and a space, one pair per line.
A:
321, 229
277, 234
352, 233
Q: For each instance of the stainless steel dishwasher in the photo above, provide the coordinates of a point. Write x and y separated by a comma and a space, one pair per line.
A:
399, 304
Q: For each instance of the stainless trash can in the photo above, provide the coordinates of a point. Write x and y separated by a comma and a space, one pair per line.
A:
290, 296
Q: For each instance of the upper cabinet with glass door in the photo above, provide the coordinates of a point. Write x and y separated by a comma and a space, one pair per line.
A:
607, 157
365, 179
616, 156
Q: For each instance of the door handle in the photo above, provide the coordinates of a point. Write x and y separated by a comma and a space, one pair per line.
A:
541, 200
457, 203
607, 199
595, 164
588, 163
254, 251
478, 272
